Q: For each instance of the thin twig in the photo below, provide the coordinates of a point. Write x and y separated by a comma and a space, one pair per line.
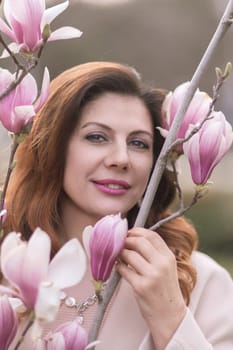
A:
160, 165
22, 70
12, 55
28, 326
181, 211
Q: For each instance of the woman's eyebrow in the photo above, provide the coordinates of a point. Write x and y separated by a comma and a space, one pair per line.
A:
142, 132
104, 126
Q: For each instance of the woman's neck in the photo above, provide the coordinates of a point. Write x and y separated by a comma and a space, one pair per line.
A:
74, 220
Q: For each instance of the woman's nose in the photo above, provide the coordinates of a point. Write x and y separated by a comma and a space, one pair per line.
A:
118, 156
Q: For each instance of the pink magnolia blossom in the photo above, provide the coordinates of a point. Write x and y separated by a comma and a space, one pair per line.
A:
27, 267
104, 242
74, 334
28, 22
16, 108
196, 112
55, 341
207, 147
68, 336
8, 323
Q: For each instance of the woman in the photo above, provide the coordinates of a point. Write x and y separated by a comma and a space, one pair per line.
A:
90, 153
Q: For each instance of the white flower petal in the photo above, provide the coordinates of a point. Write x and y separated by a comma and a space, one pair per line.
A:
51, 13
68, 265
48, 303
44, 90
86, 239
65, 33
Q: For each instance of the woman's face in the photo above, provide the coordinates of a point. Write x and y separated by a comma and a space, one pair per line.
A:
109, 157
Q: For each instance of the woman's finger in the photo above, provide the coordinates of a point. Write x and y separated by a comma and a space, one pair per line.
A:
135, 261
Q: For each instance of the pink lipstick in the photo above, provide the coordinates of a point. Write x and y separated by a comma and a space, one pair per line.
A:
112, 186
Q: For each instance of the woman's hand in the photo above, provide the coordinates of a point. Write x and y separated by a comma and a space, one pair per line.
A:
150, 268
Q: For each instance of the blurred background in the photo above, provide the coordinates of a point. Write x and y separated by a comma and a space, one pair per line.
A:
164, 40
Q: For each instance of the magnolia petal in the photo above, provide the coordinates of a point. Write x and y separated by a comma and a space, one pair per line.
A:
13, 47
74, 334
163, 132
166, 109
27, 264
47, 303
92, 344
57, 342
106, 242
17, 305
24, 112
176, 99
191, 150
11, 241
65, 33
22, 116
26, 91
6, 79
7, 291
37, 258
68, 265
39, 344
51, 13
6, 29
26, 19
44, 90
36, 331
86, 238
8, 323
12, 264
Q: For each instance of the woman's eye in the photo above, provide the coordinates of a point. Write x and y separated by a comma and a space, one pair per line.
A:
96, 138
139, 144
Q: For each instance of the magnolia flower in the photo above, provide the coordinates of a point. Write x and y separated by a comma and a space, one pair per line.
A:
16, 109
207, 147
69, 336
56, 341
196, 112
75, 336
37, 281
8, 323
29, 23
104, 243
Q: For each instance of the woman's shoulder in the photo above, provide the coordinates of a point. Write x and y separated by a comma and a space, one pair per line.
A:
207, 268
212, 279
206, 264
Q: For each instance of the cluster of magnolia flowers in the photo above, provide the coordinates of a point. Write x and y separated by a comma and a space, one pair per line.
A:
34, 284
206, 133
28, 27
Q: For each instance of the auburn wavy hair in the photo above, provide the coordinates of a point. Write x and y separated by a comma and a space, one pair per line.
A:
35, 190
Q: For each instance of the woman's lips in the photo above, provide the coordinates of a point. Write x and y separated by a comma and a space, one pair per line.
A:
112, 186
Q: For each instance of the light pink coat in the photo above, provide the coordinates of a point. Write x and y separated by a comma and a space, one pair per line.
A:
207, 325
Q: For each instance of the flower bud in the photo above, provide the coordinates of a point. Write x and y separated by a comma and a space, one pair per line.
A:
207, 147
75, 336
196, 112
105, 243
